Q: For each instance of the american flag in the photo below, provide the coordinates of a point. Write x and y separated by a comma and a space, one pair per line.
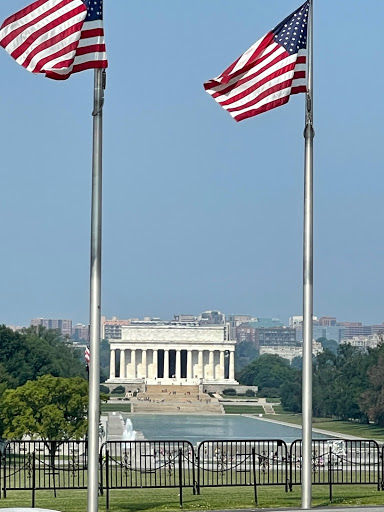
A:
87, 354
57, 37
266, 75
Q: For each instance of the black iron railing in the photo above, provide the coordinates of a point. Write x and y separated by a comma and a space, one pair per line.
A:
339, 462
38, 465
54, 465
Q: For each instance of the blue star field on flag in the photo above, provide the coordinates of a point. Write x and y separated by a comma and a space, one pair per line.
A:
292, 32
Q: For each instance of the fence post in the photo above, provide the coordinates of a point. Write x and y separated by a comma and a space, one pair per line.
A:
101, 471
181, 476
381, 467
290, 467
194, 459
33, 480
330, 473
254, 473
2, 458
198, 468
107, 478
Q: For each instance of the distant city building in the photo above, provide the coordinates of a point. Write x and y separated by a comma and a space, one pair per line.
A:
266, 336
297, 320
211, 318
356, 329
185, 318
327, 321
64, 326
15, 328
262, 323
234, 322
377, 329
278, 336
334, 332
111, 328
238, 319
364, 342
80, 332
245, 332
291, 352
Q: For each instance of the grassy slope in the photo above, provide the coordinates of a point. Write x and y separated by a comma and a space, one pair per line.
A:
154, 500
339, 426
243, 409
118, 406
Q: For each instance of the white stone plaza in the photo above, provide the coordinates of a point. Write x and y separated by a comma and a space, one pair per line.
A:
172, 353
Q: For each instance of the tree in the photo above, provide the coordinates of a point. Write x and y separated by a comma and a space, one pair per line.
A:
34, 352
372, 400
268, 371
104, 360
290, 392
327, 344
338, 382
245, 353
51, 409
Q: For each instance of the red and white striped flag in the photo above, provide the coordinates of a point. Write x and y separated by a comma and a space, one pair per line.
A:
87, 354
56, 37
266, 75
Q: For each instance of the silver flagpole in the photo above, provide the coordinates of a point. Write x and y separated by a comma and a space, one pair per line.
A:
95, 293
306, 489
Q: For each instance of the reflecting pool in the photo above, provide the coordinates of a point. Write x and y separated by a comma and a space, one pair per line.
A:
195, 428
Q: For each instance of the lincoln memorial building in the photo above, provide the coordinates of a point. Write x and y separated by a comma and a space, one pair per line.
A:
172, 353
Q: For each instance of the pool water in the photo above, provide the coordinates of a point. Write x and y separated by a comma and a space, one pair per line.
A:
195, 428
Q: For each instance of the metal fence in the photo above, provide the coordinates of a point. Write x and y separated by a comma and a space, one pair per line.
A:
140, 464
37, 465
242, 463
339, 461
54, 465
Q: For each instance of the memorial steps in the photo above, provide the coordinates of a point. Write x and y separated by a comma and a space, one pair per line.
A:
175, 399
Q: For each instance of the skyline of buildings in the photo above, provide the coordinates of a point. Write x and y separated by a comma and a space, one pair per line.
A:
265, 335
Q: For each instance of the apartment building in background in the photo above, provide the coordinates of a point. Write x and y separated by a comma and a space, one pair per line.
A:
64, 326
111, 328
80, 332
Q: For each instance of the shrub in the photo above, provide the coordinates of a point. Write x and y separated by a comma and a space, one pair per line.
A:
268, 392
229, 392
119, 390
104, 389
250, 392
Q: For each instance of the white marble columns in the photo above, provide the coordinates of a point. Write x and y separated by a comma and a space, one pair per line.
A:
177, 365
122, 364
112, 364
166, 364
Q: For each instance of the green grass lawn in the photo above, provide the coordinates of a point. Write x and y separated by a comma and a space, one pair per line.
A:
338, 426
243, 409
154, 500
118, 407
240, 397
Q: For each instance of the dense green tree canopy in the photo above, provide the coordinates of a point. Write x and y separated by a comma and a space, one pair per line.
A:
245, 353
347, 384
34, 352
268, 371
331, 345
53, 408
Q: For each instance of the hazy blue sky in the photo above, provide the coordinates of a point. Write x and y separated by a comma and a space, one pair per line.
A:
200, 212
